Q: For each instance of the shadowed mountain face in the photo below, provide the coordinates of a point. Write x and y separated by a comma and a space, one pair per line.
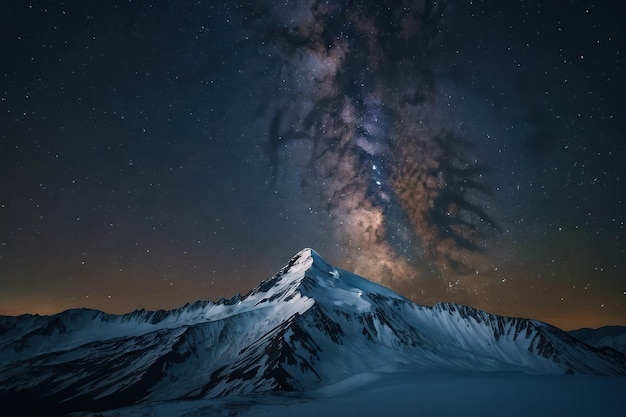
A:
605, 337
308, 326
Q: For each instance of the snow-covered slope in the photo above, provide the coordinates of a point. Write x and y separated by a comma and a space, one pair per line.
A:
408, 393
309, 326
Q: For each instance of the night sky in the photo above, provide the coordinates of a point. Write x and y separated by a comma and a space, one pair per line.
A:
154, 154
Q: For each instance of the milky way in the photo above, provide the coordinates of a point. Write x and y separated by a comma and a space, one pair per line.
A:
401, 189
153, 154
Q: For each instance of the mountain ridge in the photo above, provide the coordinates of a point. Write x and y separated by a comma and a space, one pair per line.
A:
308, 326
613, 337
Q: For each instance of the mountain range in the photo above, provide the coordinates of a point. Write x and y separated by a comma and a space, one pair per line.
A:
309, 326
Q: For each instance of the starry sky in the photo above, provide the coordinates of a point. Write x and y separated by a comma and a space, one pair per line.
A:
159, 153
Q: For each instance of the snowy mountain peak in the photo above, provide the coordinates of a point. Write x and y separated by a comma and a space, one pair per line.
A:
309, 326
303, 261
309, 276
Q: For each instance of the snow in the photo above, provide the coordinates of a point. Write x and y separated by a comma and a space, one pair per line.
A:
351, 346
441, 394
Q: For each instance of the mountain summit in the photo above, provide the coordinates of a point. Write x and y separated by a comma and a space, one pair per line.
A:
310, 325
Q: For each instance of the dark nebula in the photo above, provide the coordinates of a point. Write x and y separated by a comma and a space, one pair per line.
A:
403, 191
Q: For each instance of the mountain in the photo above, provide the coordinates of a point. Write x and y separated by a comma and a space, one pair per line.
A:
604, 337
309, 326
